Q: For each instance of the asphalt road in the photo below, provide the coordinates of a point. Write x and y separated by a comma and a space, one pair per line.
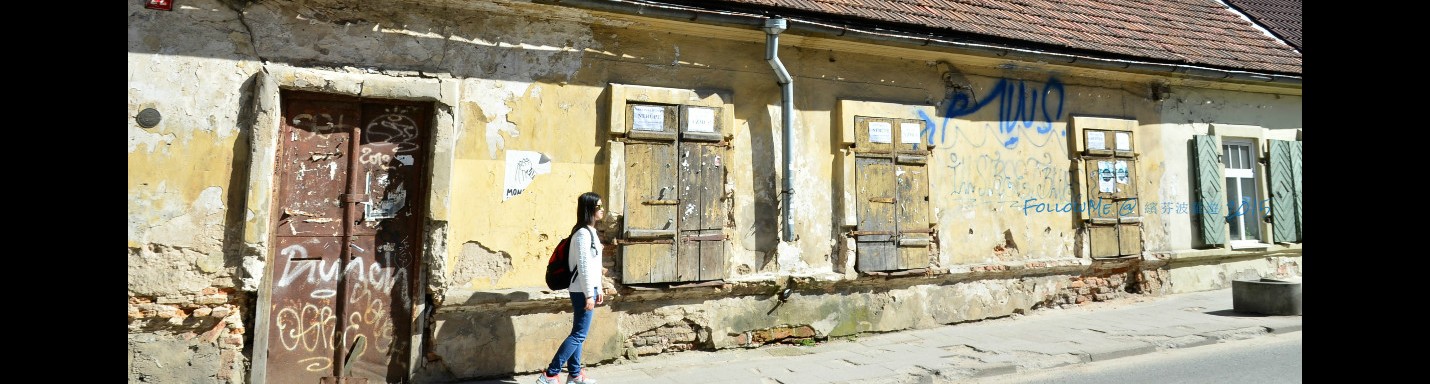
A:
1271, 359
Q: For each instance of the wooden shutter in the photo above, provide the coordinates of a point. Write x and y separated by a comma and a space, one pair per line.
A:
1296, 171
911, 211
648, 244
874, 195
701, 241
1210, 195
1284, 192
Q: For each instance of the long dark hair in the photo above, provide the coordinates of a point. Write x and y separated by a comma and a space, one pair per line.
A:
585, 210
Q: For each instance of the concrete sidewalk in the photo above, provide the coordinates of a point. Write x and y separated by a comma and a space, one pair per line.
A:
1042, 339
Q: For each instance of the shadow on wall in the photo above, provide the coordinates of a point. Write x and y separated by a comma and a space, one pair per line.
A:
237, 204
470, 345
765, 177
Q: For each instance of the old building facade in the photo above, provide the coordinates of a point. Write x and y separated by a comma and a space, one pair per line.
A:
365, 188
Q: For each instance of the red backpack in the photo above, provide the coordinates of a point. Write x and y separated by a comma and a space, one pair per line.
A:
558, 269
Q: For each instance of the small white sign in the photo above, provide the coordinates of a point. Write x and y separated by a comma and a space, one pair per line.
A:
910, 133
881, 132
648, 118
1124, 141
700, 119
1095, 140
1121, 170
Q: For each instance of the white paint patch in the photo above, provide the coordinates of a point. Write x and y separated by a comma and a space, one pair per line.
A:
252, 273
167, 81
140, 136
332, 170
491, 96
159, 216
404, 159
790, 262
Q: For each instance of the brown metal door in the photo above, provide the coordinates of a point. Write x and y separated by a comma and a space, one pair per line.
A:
348, 238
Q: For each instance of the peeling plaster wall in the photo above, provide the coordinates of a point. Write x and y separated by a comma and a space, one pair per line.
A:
1203, 277
487, 340
193, 66
535, 78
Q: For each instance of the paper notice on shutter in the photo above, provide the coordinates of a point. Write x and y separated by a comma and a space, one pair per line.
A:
700, 120
910, 133
647, 118
1095, 140
881, 132
1124, 141
1104, 177
1121, 169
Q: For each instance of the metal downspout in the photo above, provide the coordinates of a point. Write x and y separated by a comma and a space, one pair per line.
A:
773, 27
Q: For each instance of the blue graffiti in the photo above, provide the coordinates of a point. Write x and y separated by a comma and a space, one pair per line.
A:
1020, 105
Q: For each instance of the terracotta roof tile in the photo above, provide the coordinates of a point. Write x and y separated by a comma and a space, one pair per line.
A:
1196, 32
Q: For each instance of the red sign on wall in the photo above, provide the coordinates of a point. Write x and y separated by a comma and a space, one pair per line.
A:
162, 5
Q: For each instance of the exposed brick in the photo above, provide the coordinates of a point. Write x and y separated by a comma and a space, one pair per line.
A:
220, 312
805, 331
761, 336
213, 299
202, 311
234, 340
1082, 299
1077, 284
209, 291
213, 333
225, 368
164, 311
779, 333
742, 339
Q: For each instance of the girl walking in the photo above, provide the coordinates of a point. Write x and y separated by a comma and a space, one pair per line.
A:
585, 259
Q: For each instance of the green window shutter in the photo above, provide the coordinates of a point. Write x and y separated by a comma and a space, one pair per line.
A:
1296, 170
1209, 189
1283, 192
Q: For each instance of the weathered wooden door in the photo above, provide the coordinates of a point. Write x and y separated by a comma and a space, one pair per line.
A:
1113, 222
891, 196
348, 238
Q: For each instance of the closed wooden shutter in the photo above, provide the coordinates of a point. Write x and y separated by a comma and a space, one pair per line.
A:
913, 242
1285, 223
1210, 194
875, 193
701, 241
648, 247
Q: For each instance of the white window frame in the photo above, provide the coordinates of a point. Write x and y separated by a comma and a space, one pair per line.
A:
1235, 166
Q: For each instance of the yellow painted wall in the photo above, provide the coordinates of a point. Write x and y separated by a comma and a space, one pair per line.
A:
536, 78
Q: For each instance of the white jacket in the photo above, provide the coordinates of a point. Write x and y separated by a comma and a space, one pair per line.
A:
585, 259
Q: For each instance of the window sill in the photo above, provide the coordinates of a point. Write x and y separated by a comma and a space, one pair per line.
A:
1248, 245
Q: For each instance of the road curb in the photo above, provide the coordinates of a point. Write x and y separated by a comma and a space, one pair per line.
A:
1284, 328
1121, 352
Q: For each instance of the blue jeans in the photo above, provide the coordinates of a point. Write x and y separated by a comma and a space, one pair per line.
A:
570, 351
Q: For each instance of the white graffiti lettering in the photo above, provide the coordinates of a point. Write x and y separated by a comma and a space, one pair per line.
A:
309, 327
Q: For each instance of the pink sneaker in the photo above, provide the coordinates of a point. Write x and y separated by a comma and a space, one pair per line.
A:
542, 378
579, 379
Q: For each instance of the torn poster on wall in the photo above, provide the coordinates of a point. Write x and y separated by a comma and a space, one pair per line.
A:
521, 168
